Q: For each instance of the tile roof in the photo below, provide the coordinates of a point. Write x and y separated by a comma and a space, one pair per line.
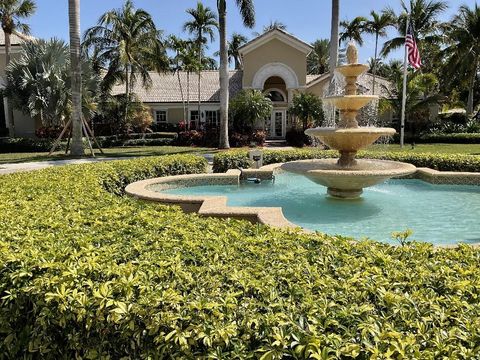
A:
15, 38
166, 89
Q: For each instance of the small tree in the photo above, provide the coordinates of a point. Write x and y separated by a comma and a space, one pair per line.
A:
308, 108
140, 118
247, 107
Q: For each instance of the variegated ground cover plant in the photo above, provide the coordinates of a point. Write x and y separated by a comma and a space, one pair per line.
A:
88, 273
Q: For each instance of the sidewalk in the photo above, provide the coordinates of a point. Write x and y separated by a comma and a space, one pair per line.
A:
38, 165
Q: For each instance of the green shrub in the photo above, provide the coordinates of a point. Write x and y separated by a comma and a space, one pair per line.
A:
456, 138
86, 274
25, 145
443, 162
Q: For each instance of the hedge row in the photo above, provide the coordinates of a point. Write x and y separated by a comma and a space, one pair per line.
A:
87, 274
444, 162
456, 138
12, 145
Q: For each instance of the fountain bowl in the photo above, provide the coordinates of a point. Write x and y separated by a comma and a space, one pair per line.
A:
348, 183
350, 102
352, 70
349, 139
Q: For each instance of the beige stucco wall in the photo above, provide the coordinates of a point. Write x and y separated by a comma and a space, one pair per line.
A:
271, 52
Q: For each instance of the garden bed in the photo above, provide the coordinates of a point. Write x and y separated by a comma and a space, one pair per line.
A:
89, 273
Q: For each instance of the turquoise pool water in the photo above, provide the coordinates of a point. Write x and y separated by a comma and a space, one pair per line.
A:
440, 214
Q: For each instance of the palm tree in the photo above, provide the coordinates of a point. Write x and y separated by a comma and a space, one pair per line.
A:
236, 42
39, 83
422, 93
76, 75
12, 13
317, 60
464, 49
179, 46
424, 19
378, 26
274, 25
203, 24
127, 42
334, 36
247, 12
353, 30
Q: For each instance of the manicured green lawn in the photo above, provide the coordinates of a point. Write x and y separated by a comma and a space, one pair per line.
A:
466, 149
112, 152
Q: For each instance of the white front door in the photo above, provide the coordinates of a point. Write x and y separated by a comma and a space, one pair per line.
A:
275, 125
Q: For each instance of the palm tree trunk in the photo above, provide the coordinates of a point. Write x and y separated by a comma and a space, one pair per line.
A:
334, 37
199, 71
76, 72
188, 100
183, 97
375, 63
127, 93
238, 65
471, 90
11, 121
222, 20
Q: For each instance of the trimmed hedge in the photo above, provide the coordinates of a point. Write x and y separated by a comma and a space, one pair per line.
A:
444, 162
87, 274
25, 145
456, 138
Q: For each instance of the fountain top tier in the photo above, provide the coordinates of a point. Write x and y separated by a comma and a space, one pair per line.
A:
348, 137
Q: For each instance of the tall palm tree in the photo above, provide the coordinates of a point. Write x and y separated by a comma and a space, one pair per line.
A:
12, 13
334, 36
317, 60
236, 42
203, 23
127, 43
424, 19
378, 25
464, 49
179, 46
247, 12
353, 30
76, 75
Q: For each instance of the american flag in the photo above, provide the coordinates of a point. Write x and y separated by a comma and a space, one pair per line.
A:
412, 48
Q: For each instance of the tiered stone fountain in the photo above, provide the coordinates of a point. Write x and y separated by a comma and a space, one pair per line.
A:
347, 176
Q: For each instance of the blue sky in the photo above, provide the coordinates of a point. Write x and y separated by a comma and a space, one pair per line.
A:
307, 19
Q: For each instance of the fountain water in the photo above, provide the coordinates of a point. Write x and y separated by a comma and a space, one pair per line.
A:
347, 176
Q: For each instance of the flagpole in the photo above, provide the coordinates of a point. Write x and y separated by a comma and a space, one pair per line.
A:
404, 94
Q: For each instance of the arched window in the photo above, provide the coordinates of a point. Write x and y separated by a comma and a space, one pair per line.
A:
275, 96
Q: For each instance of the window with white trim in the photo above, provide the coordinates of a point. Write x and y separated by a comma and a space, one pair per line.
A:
160, 116
211, 118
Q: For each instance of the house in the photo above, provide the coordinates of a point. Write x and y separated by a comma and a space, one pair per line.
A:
274, 63
24, 125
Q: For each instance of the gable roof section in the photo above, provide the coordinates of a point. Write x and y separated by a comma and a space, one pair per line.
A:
16, 38
166, 88
278, 34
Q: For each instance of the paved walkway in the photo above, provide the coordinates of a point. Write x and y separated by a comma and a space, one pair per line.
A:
38, 165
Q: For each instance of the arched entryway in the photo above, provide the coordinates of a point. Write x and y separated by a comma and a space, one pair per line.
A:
276, 90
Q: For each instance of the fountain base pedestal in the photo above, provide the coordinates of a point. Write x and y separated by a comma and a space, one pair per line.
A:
344, 194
